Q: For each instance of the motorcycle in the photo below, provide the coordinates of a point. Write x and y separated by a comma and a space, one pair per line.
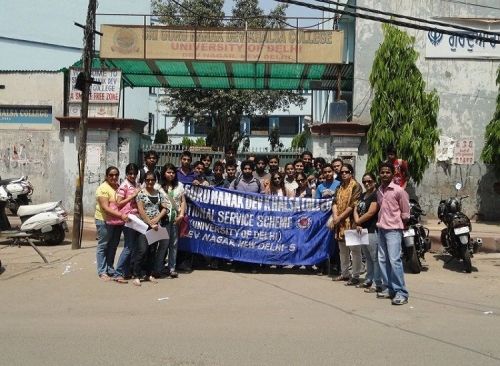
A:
416, 239
45, 222
455, 238
18, 192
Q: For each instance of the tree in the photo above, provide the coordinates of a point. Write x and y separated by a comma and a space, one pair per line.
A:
491, 149
403, 114
161, 136
225, 107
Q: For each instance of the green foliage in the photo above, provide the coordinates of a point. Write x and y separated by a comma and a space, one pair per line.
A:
186, 141
300, 140
200, 141
161, 136
491, 150
225, 107
403, 114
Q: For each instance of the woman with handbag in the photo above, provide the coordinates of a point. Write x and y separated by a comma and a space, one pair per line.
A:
150, 205
174, 192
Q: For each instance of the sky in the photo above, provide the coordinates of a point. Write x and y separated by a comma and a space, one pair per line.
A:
293, 10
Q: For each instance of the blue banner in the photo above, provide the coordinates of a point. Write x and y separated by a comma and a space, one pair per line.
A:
257, 228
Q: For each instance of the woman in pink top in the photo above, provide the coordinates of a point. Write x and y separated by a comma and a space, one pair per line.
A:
125, 200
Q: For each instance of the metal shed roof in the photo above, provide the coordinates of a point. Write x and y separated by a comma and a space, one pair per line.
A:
229, 75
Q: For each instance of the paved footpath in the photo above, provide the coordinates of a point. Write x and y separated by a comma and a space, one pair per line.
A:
62, 314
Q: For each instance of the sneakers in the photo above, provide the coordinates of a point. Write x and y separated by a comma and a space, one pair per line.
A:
399, 300
383, 295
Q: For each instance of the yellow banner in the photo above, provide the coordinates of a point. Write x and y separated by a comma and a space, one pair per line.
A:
261, 45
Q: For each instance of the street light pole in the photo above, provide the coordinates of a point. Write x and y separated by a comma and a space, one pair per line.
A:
88, 53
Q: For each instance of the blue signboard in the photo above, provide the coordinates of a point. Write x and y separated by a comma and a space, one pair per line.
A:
26, 114
257, 228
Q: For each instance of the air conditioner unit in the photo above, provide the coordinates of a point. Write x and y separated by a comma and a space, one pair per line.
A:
338, 111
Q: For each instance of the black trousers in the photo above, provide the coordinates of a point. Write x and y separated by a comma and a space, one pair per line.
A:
143, 257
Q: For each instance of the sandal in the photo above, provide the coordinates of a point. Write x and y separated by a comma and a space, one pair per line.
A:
340, 278
120, 279
152, 279
104, 277
136, 282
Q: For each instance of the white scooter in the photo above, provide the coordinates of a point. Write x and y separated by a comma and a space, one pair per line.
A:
18, 191
45, 222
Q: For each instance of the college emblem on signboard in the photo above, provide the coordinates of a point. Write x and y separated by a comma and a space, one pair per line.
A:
125, 41
303, 222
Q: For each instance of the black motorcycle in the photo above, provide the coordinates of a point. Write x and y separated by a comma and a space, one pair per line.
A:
455, 238
416, 239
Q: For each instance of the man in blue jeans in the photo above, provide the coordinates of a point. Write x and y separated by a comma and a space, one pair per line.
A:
394, 212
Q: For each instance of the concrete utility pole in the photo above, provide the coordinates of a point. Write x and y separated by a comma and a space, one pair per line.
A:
88, 54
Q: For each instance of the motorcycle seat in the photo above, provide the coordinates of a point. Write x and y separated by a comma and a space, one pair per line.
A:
30, 210
4, 182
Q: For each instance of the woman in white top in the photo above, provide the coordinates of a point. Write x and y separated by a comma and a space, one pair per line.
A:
174, 191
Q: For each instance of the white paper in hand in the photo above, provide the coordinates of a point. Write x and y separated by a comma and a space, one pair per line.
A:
155, 235
353, 238
137, 224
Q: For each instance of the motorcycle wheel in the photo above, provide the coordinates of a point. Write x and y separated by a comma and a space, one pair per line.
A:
56, 236
466, 257
413, 262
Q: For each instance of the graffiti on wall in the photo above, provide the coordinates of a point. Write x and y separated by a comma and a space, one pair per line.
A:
17, 156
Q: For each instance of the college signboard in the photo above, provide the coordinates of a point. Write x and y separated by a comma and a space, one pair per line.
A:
253, 45
104, 97
32, 116
439, 45
257, 228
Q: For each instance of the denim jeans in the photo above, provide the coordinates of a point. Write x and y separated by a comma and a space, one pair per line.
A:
102, 245
131, 238
370, 252
108, 237
114, 233
391, 266
172, 245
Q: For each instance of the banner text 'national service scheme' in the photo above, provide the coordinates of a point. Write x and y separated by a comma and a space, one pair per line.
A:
257, 228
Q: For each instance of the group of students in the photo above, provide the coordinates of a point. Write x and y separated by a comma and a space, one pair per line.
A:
157, 197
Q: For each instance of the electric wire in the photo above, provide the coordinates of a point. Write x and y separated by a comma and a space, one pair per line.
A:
471, 4
389, 21
433, 22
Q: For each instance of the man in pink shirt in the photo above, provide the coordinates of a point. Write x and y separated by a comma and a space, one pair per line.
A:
394, 212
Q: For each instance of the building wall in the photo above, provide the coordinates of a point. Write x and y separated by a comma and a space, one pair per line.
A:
258, 142
28, 29
43, 37
467, 92
32, 150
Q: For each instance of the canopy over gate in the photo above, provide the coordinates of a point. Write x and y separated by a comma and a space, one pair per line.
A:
272, 59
